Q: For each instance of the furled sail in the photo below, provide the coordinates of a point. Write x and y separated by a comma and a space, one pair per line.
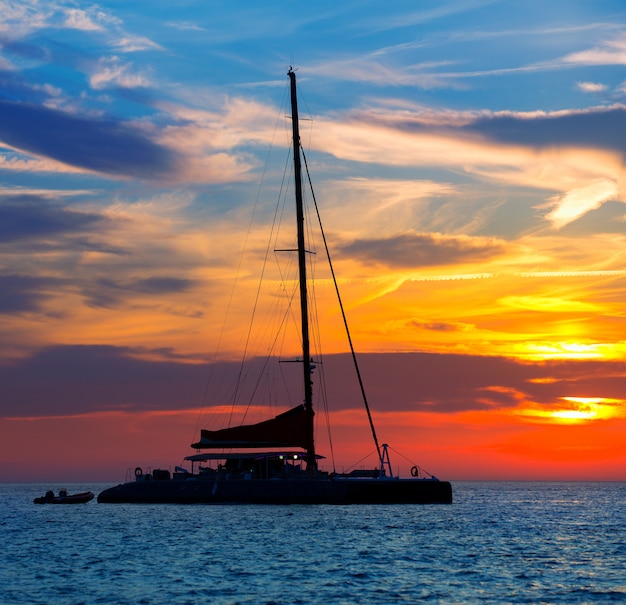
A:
293, 428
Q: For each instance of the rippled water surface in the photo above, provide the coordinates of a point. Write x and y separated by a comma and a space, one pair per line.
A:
498, 543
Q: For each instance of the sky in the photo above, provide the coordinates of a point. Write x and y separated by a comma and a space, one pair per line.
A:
468, 163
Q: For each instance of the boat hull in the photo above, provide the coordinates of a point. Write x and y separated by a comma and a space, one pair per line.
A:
305, 491
69, 499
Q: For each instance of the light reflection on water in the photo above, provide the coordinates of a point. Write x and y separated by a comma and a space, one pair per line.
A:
499, 542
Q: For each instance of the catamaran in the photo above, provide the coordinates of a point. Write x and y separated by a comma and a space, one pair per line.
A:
275, 461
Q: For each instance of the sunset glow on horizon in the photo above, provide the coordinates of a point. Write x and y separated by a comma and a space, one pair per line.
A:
468, 165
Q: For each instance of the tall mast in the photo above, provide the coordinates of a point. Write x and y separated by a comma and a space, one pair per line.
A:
304, 305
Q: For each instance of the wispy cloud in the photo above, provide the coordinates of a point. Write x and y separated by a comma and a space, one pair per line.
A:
136, 43
591, 86
611, 52
395, 65
185, 26
424, 15
20, 162
566, 151
23, 18
85, 20
114, 72
577, 202
379, 69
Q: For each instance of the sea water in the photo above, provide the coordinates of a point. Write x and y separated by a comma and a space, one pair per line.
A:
499, 542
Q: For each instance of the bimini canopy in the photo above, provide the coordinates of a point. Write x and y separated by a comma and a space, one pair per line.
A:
293, 428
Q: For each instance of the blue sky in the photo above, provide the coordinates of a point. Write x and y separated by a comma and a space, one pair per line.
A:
468, 157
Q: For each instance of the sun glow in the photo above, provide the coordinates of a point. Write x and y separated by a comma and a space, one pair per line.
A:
579, 410
571, 350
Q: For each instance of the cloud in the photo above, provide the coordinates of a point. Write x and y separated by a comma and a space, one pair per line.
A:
352, 206
123, 269
394, 65
424, 250
24, 18
76, 18
564, 151
88, 379
113, 72
422, 15
109, 293
107, 146
611, 52
598, 127
77, 379
421, 381
374, 70
185, 26
20, 293
214, 143
416, 136
439, 326
21, 18
28, 217
15, 87
18, 162
591, 87
182, 150
131, 44
577, 202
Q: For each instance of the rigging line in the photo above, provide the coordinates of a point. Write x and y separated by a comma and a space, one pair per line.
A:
255, 305
284, 272
324, 397
238, 272
264, 266
266, 362
322, 391
288, 315
409, 461
343, 313
361, 460
322, 394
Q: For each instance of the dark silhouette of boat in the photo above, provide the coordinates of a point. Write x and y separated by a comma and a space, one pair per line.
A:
259, 463
64, 498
